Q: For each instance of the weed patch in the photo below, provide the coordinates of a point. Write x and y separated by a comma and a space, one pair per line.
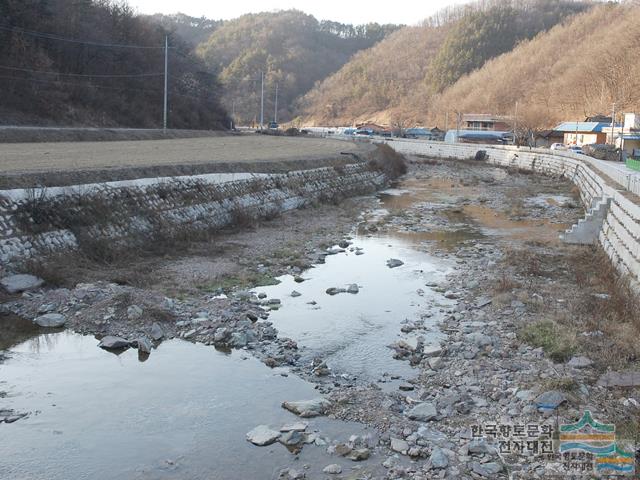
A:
556, 341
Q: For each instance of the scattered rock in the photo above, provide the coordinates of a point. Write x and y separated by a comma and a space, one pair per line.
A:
550, 400
295, 294
353, 288
438, 458
619, 379
114, 343
580, 362
333, 469
334, 291
394, 262
423, 412
479, 339
156, 332
359, 454
295, 427
490, 469
21, 283
50, 320
262, 435
292, 438
144, 345
400, 446
134, 312
308, 408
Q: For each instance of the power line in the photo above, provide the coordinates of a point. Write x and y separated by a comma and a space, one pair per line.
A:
84, 75
75, 84
101, 87
50, 36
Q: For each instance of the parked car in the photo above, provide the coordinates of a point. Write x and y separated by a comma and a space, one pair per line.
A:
273, 126
558, 146
575, 149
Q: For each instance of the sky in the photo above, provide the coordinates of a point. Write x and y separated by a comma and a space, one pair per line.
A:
409, 12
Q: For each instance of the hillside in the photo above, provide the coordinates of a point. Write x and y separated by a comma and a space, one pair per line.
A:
192, 30
293, 49
398, 79
94, 63
577, 69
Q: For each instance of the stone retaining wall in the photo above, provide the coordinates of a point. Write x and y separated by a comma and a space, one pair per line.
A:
620, 233
37, 222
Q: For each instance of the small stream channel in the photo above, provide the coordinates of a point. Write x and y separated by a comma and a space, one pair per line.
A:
185, 411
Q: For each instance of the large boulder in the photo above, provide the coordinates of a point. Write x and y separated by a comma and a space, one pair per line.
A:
20, 283
50, 320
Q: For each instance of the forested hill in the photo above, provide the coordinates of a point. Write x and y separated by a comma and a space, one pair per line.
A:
293, 49
193, 30
575, 70
94, 63
401, 78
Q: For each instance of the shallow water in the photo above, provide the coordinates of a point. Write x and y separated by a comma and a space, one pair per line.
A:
184, 413
181, 414
351, 332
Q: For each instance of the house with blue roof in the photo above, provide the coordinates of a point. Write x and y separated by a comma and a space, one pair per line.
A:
583, 133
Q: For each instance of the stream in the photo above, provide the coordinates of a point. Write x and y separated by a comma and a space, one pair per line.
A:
184, 412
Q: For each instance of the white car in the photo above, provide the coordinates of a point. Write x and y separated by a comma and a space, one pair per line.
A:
558, 146
575, 149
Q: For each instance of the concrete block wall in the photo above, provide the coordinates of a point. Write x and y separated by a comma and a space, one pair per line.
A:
620, 233
43, 221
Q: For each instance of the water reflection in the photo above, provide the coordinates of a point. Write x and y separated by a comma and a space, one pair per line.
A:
182, 414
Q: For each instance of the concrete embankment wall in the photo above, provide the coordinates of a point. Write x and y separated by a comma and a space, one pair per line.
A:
620, 233
41, 221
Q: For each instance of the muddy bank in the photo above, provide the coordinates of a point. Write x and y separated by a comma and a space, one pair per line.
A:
487, 319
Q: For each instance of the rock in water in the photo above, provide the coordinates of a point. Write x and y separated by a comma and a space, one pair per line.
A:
262, 435
334, 291
156, 332
423, 412
144, 345
292, 438
394, 262
50, 320
308, 408
353, 288
114, 343
21, 283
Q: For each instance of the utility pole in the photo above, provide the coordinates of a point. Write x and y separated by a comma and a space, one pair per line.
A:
446, 122
515, 126
275, 114
613, 125
233, 114
261, 99
166, 80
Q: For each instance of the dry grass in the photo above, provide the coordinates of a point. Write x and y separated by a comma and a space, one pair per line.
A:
595, 299
388, 161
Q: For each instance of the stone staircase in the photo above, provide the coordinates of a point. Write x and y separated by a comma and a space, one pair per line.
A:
587, 230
